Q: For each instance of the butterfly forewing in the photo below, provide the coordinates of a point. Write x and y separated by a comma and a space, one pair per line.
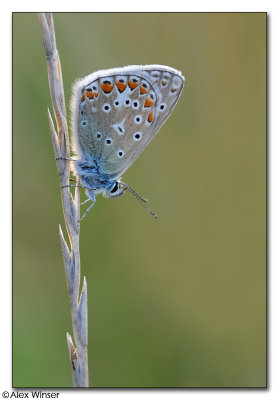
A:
117, 112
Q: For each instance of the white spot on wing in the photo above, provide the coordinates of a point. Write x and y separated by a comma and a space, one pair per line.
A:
137, 136
162, 107
135, 104
119, 128
108, 141
127, 102
106, 107
120, 153
138, 119
84, 123
98, 135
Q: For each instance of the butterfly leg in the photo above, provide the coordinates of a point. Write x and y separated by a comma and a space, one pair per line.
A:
89, 208
64, 158
80, 186
84, 202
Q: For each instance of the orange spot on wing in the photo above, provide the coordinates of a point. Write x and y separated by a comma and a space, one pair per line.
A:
107, 87
82, 98
164, 83
143, 90
148, 103
89, 94
95, 94
121, 86
132, 84
150, 117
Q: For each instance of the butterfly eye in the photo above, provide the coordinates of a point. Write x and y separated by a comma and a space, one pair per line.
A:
120, 153
115, 188
106, 107
138, 119
108, 141
137, 136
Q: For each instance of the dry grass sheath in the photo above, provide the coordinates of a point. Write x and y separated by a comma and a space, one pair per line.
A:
71, 208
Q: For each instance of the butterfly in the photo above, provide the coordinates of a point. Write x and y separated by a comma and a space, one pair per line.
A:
115, 114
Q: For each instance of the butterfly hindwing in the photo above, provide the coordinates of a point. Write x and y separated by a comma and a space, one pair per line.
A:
117, 112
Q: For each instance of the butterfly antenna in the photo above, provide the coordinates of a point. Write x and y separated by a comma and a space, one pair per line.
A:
140, 199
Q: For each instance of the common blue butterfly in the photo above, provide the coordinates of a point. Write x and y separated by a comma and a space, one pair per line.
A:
115, 114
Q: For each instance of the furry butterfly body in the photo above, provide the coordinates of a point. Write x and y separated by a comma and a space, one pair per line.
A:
115, 114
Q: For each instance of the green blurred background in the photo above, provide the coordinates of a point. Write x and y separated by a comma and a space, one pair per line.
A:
174, 302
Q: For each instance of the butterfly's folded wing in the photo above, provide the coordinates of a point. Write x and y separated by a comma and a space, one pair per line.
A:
116, 113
